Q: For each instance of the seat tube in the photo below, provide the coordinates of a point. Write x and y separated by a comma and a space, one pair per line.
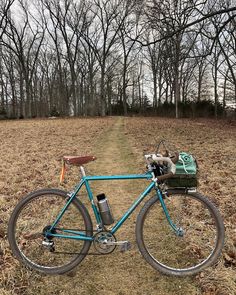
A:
90, 195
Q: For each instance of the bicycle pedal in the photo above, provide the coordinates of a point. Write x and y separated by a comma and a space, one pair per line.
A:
126, 246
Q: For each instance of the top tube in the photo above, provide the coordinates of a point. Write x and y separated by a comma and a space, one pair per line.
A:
119, 177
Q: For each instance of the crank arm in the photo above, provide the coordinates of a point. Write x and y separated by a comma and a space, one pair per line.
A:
116, 243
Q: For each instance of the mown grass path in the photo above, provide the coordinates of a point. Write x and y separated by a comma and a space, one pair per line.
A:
125, 273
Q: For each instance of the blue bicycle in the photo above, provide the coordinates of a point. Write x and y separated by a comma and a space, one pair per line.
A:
178, 231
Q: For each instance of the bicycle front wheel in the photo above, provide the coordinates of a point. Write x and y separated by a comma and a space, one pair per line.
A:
33, 215
198, 243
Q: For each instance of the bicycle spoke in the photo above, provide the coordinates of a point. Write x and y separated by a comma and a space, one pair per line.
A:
172, 253
38, 214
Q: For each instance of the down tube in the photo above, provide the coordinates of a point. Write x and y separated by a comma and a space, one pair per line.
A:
132, 208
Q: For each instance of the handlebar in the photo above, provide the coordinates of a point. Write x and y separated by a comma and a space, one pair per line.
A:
161, 159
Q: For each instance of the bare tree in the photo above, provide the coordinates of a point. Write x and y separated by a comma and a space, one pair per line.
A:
199, 12
69, 18
109, 17
5, 6
227, 43
223, 46
89, 58
155, 55
172, 18
25, 41
130, 26
57, 83
84, 57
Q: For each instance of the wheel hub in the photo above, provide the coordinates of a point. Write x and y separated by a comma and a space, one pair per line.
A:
180, 232
47, 231
47, 241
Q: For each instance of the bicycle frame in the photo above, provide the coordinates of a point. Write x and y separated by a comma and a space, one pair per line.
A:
78, 235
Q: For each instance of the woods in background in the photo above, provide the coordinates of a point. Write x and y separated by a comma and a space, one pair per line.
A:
107, 57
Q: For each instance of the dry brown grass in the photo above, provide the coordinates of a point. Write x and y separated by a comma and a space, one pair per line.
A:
30, 157
214, 145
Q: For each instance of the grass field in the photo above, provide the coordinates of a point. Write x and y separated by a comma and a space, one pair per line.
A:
30, 156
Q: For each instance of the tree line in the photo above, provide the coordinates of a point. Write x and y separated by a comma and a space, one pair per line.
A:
105, 57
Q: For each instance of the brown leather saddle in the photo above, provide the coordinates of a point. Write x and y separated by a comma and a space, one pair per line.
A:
78, 161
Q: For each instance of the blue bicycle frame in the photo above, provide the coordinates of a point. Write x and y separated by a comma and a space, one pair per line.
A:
78, 235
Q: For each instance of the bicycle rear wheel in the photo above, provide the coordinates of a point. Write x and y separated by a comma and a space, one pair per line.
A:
27, 225
198, 246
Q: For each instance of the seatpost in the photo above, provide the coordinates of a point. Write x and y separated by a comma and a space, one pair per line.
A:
82, 171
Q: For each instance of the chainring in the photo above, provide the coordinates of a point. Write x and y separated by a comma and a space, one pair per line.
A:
101, 240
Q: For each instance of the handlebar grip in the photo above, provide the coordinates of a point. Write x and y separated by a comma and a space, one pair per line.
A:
171, 164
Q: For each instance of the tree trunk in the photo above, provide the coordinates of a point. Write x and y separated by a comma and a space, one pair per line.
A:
102, 93
133, 94
154, 88
177, 97
22, 98
73, 92
28, 108
215, 88
166, 92
199, 88
140, 95
177, 78
109, 96
124, 95
81, 101
159, 89
91, 104
224, 95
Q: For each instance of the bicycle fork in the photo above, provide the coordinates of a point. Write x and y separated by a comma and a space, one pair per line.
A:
178, 230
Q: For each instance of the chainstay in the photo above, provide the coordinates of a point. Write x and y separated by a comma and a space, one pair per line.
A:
79, 253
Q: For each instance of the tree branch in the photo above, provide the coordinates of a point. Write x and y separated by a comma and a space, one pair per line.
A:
182, 28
